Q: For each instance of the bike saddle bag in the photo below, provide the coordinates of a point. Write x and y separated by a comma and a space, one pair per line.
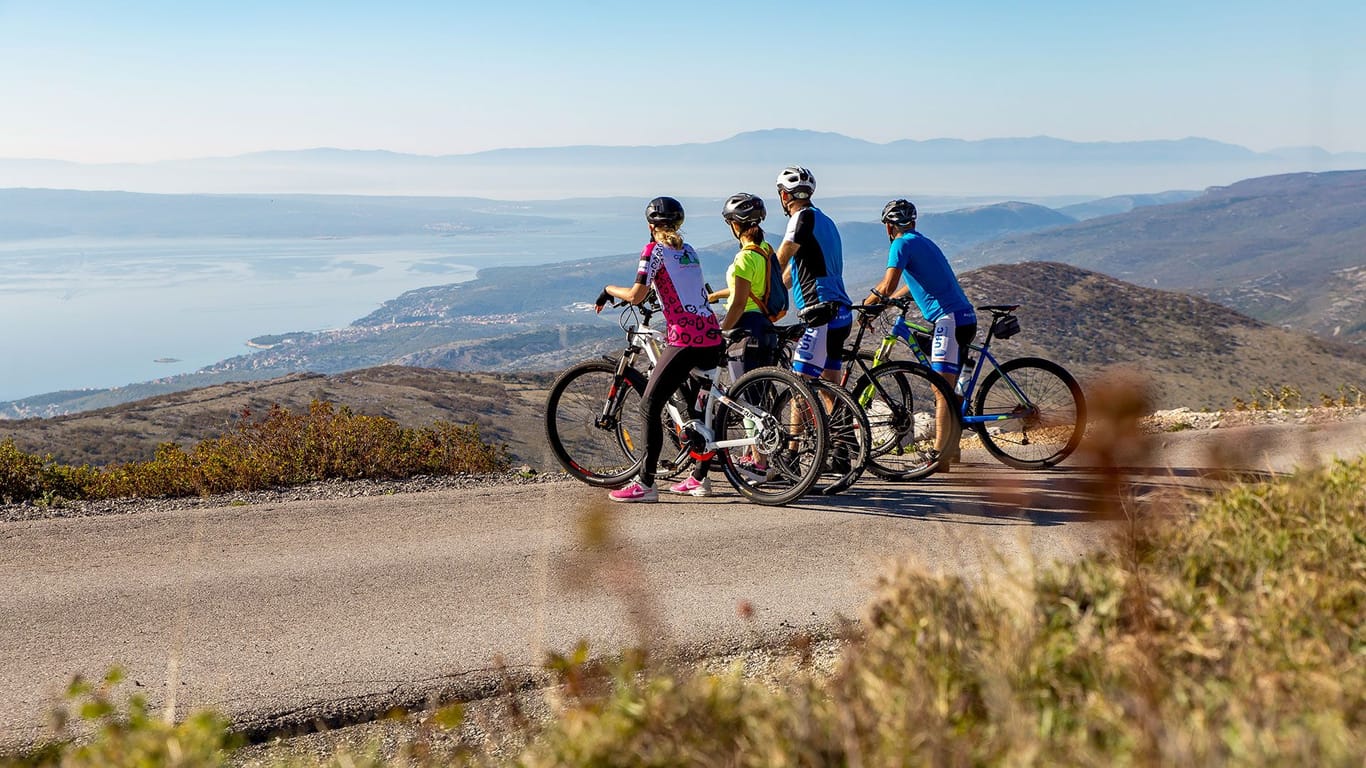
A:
1005, 327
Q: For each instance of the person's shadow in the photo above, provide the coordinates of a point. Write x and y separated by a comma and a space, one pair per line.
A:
992, 494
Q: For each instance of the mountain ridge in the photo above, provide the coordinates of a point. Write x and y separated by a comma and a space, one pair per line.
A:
1286, 249
1009, 166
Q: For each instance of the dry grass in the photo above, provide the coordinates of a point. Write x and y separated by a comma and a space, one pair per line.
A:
278, 449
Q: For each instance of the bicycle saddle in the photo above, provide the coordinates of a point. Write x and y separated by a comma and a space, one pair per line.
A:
790, 333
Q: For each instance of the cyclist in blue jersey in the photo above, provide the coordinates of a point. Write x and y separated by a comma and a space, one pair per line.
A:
813, 257
930, 281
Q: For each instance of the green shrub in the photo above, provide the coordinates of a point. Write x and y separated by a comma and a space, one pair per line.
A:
122, 732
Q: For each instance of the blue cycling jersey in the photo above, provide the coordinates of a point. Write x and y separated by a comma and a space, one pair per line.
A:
818, 267
928, 274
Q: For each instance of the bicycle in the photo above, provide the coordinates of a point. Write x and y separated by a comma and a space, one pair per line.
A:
593, 419
898, 399
1029, 413
849, 433
847, 441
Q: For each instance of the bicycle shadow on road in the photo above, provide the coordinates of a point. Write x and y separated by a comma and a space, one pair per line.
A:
995, 496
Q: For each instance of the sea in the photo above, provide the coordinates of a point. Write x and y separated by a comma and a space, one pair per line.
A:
83, 313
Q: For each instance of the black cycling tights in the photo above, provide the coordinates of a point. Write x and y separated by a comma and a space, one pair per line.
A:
669, 374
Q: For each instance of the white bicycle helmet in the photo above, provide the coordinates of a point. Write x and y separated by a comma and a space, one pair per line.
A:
797, 181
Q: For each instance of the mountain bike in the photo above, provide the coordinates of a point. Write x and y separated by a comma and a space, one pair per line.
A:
596, 430
849, 433
898, 399
847, 427
1029, 412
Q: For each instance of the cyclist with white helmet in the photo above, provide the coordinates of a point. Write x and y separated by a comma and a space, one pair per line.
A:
672, 268
813, 255
930, 281
751, 306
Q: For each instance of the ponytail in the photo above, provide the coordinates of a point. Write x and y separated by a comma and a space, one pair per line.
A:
668, 235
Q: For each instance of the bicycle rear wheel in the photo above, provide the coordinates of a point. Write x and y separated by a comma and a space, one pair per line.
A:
594, 425
899, 399
1047, 409
847, 438
788, 426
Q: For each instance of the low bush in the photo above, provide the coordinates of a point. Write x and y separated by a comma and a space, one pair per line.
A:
98, 729
281, 448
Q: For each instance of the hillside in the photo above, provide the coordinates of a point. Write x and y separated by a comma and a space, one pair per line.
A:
1196, 353
1288, 250
507, 409
1107, 206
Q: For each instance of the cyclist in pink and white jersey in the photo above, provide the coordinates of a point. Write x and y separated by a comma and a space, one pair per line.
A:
672, 268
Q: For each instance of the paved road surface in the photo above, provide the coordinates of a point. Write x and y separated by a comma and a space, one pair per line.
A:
284, 612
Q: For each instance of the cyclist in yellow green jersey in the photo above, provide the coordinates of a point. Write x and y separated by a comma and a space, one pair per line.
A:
756, 297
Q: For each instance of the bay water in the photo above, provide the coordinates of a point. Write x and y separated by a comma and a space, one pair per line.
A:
80, 313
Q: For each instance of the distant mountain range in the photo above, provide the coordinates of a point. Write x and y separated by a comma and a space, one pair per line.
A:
38, 213
1013, 167
43, 213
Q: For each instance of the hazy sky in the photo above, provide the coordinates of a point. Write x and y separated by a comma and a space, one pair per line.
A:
134, 81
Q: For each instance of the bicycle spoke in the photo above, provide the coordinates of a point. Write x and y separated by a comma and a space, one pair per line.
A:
1046, 410
596, 438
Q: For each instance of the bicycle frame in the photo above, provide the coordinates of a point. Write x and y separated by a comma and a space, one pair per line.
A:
902, 331
642, 338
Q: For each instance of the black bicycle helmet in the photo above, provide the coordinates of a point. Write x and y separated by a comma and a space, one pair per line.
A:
899, 213
797, 181
744, 208
664, 210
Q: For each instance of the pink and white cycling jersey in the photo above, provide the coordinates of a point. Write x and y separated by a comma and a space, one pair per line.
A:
676, 275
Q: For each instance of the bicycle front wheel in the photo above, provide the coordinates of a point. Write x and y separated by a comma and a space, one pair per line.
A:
1045, 408
782, 426
899, 399
847, 438
594, 425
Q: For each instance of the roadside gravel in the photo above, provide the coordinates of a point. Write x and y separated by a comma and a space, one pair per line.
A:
325, 489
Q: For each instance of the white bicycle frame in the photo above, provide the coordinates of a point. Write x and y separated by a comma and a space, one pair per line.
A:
649, 339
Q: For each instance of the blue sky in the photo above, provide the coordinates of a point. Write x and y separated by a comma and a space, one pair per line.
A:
138, 81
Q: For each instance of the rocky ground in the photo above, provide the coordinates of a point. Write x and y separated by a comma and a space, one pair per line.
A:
1178, 419
326, 489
